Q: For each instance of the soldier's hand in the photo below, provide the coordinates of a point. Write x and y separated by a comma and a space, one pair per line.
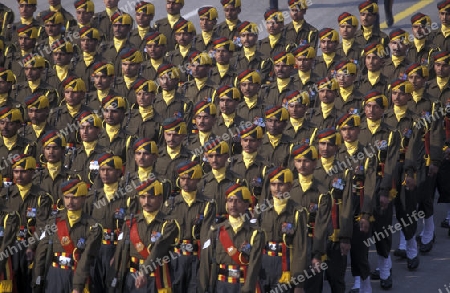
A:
111, 261
29, 254
432, 170
140, 281
76, 291
410, 183
364, 225
384, 202
315, 264
345, 248
299, 290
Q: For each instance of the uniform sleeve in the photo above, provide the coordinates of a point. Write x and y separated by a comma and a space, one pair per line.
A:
209, 220
204, 273
346, 211
257, 242
299, 246
118, 257
44, 210
40, 258
10, 223
320, 229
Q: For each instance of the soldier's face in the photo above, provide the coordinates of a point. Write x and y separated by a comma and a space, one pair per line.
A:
143, 19
102, 81
9, 129
373, 62
297, 110
216, 160
327, 149
199, 71
121, 31
54, 2
130, 69
53, 29
204, 121
223, 56
417, 81
111, 3
421, 31
144, 99
173, 139
398, 48
150, 203
305, 166
327, 45
37, 116
144, 158
250, 144
22, 176
113, 116
367, 18
273, 27
184, 38
173, 8
53, 153
88, 132
327, 96
187, 184
83, 16
109, 175
282, 70
155, 51
61, 58
400, 98
26, 43
249, 89
73, 203
27, 10
88, 44
231, 12
275, 126
350, 133
32, 74
303, 63
236, 206
347, 31
373, 111
442, 69
444, 17
279, 189
297, 14
345, 80
73, 98
206, 24
167, 83
227, 105
248, 40
5, 86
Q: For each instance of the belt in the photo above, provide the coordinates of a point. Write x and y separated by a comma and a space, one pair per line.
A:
109, 236
273, 249
135, 263
63, 261
187, 247
232, 273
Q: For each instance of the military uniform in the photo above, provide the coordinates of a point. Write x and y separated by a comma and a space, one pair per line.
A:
178, 107
10, 33
223, 30
22, 90
81, 165
199, 42
435, 91
149, 128
85, 70
165, 165
163, 26
321, 68
61, 119
271, 94
306, 34
191, 92
6, 18
137, 41
102, 22
22, 146
381, 85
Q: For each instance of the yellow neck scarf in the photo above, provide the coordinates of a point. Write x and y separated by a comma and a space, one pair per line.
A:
223, 69
228, 119
110, 190
3, 98
110, 11
248, 158
129, 81
445, 30
145, 173
51, 39
231, 24
73, 217
442, 82
112, 131
367, 32
55, 8
172, 19
305, 181
24, 190
417, 95
118, 44
346, 92
419, 44
88, 58
10, 142
352, 147
62, 71
249, 52
373, 125
189, 197
207, 37
219, 174
397, 60
203, 136
102, 94
200, 82
373, 76
273, 40
327, 163
274, 139
33, 85
279, 205
168, 96
236, 223
146, 112
282, 83
298, 25
251, 101
326, 109
156, 62
296, 123
184, 50
23, 52
328, 58
347, 44
54, 169
142, 31
73, 110
305, 76
26, 20
89, 146
38, 128
149, 216
173, 152
400, 111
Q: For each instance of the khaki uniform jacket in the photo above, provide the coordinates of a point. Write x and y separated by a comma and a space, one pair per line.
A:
52, 186
193, 94
180, 107
94, 103
85, 72
53, 80
222, 30
253, 175
214, 254
137, 41
257, 62
166, 166
424, 55
148, 71
13, 61
267, 51
61, 119
353, 53
22, 146
234, 140
110, 54
439, 41
278, 156
6, 18
199, 42
272, 96
307, 34
10, 33
163, 26
22, 91
434, 91
321, 68
150, 128
424, 105
377, 37
316, 117
364, 85
302, 135
117, 146
102, 22
392, 72
88, 230
253, 114
28, 132
78, 162
122, 90
354, 102
228, 77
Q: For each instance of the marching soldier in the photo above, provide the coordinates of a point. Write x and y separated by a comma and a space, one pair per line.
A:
7, 82
53, 31
231, 257
252, 107
439, 87
27, 8
208, 20
103, 78
155, 47
84, 12
306, 78
275, 42
299, 31
103, 20
328, 42
55, 5
440, 37
63, 259
196, 215
228, 28
131, 60
144, 12
373, 78
299, 128
203, 122
421, 101
326, 114
350, 98
63, 64
166, 25
370, 32
6, 18
348, 24
395, 66
423, 43
223, 72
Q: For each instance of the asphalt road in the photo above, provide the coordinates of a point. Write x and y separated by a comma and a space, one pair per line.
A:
433, 273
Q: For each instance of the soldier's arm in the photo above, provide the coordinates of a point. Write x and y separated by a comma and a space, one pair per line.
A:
204, 273
208, 221
44, 210
299, 245
40, 257
391, 163
323, 217
11, 224
257, 241
437, 134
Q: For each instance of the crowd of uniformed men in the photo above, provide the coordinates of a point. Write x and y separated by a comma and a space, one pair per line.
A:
151, 157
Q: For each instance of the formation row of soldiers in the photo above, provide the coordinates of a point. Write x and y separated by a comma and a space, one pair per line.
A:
216, 162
